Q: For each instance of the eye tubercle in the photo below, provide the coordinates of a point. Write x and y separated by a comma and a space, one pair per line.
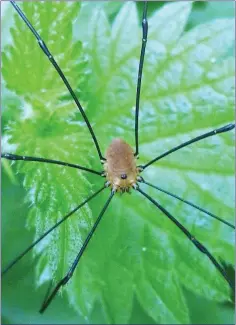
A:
123, 176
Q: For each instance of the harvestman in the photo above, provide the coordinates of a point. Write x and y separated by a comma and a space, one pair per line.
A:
120, 167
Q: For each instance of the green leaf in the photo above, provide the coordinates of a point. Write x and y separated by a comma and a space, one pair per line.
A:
208, 312
36, 88
175, 16
136, 254
154, 290
120, 287
207, 10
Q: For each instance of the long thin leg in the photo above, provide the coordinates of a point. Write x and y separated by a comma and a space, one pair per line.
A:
19, 257
189, 203
193, 240
10, 156
225, 128
69, 274
140, 71
58, 69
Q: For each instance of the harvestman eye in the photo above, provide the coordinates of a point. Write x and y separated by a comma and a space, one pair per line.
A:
119, 167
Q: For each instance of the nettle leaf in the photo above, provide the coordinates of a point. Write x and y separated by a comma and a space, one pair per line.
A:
187, 89
36, 75
44, 129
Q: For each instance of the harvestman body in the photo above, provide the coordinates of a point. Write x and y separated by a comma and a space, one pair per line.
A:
120, 169
120, 166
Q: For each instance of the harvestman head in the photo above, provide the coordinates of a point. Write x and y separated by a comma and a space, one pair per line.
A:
120, 167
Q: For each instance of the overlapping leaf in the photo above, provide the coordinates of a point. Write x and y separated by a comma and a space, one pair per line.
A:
187, 89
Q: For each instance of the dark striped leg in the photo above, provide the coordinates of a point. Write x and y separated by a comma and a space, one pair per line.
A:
63, 281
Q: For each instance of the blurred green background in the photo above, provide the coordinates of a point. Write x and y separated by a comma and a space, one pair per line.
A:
20, 298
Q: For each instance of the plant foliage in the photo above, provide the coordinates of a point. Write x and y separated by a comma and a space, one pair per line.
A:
188, 88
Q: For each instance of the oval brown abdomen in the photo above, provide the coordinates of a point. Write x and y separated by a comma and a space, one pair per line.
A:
120, 161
